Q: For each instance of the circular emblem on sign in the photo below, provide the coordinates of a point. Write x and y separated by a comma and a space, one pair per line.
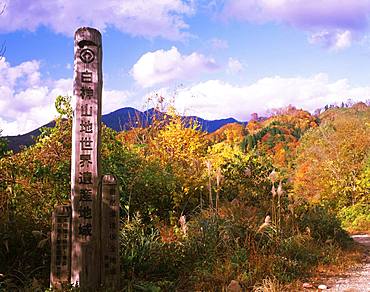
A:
87, 55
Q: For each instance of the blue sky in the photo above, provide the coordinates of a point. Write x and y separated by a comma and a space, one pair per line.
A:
219, 58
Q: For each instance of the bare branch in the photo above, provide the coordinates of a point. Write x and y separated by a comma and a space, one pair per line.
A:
2, 50
3, 9
3, 47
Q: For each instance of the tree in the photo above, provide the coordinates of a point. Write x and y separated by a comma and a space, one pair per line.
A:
3, 145
244, 175
278, 136
180, 148
331, 158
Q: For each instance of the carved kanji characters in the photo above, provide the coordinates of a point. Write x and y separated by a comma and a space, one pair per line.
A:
86, 143
85, 160
86, 77
87, 92
85, 178
85, 229
85, 212
86, 195
86, 111
86, 126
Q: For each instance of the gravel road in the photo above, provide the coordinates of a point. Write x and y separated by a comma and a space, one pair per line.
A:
357, 280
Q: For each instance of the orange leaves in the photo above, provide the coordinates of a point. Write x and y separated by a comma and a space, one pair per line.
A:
232, 133
331, 157
253, 127
278, 135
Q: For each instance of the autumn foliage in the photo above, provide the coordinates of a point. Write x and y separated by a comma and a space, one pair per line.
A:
260, 200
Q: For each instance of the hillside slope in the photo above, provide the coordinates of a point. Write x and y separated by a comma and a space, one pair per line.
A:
120, 120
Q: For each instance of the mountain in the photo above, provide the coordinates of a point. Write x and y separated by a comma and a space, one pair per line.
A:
213, 125
119, 120
16, 143
122, 119
126, 118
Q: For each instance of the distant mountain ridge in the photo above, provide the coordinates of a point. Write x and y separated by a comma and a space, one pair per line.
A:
120, 120
126, 118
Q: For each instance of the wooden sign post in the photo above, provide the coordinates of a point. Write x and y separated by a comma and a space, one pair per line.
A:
110, 268
84, 238
85, 172
60, 269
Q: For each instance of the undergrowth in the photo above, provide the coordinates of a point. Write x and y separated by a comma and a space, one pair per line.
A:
224, 246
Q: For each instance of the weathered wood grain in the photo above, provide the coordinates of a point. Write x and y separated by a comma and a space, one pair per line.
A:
85, 172
60, 264
110, 264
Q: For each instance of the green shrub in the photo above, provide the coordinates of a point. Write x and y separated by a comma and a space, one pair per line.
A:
24, 256
322, 225
356, 217
146, 259
295, 256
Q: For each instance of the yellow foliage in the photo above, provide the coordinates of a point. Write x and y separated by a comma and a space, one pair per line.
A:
331, 158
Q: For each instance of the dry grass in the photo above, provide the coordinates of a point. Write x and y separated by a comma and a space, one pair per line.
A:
269, 285
345, 260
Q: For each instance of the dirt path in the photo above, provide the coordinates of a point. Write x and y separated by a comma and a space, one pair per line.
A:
357, 280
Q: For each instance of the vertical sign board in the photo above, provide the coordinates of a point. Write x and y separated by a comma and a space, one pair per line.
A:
61, 247
85, 171
110, 266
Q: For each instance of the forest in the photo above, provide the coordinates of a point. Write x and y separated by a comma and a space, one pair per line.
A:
262, 204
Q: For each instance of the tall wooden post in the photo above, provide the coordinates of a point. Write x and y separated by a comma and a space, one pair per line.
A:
85, 172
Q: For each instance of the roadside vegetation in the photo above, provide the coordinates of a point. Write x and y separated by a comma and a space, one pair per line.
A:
262, 204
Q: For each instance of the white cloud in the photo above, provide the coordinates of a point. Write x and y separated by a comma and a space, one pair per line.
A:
162, 66
27, 101
333, 22
115, 99
26, 73
216, 99
333, 40
154, 18
301, 13
234, 66
344, 40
